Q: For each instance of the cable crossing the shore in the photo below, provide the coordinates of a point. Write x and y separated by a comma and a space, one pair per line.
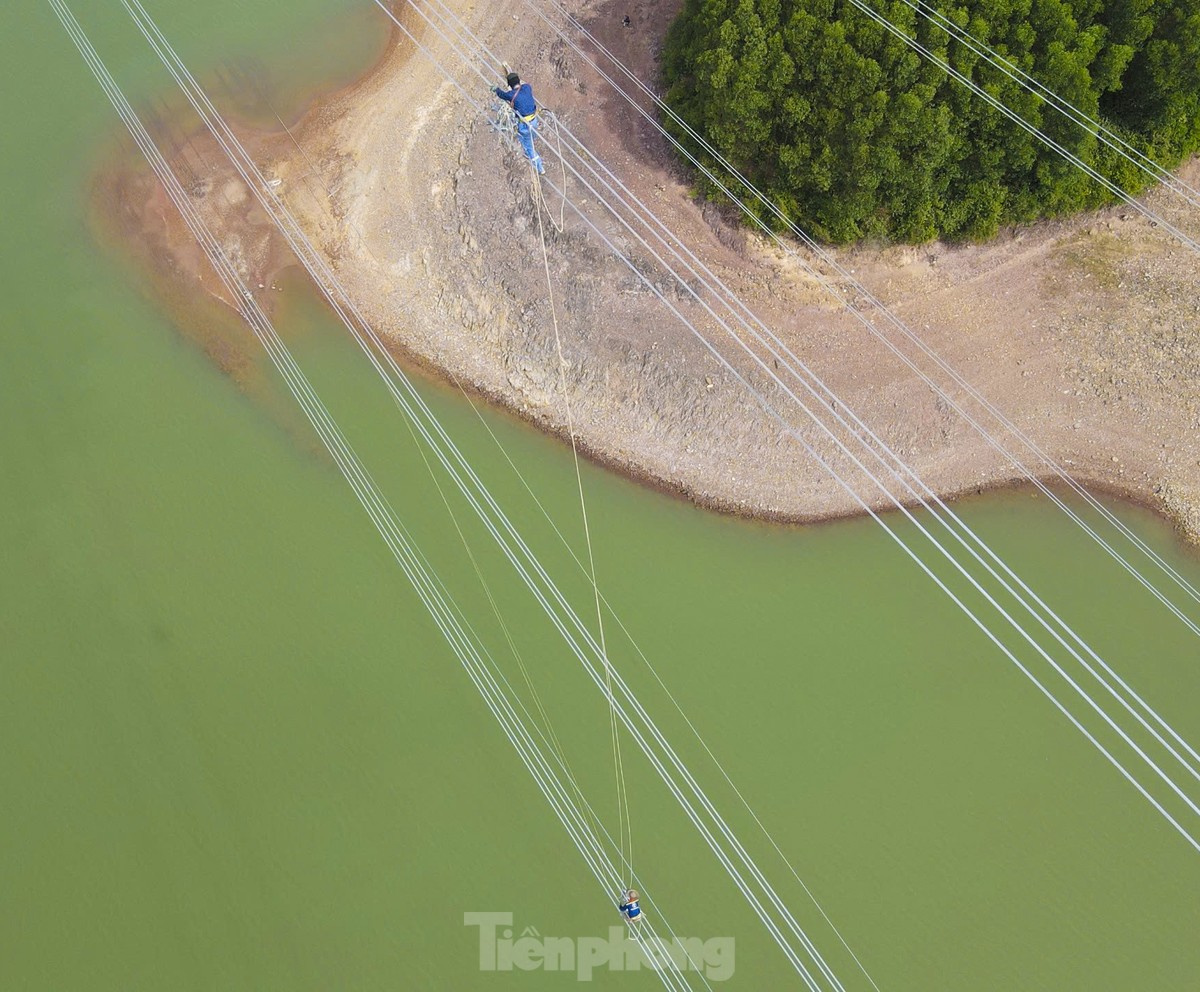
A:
861, 314
875, 465
497, 693
708, 834
575, 172
798, 947
890, 466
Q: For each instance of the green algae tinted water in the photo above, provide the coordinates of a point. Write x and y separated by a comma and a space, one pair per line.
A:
235, 753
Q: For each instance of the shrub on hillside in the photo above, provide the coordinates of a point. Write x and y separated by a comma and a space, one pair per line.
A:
855, 135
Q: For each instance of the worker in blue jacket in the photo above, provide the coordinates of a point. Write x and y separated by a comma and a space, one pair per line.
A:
520, 95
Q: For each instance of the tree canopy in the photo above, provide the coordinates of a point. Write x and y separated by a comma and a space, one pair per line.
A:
855, 135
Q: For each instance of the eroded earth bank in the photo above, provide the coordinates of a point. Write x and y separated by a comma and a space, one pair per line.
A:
1084, 333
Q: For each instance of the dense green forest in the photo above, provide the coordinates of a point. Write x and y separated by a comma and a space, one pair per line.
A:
855, 135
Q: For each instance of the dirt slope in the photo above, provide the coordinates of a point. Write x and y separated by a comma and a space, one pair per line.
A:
1084, 333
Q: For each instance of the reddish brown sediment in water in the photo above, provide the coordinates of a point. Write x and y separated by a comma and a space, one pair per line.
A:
1084, 332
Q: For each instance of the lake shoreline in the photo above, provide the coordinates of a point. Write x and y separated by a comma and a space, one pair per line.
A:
1034, 319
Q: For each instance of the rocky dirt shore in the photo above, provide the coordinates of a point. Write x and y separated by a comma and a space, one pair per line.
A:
1085, 333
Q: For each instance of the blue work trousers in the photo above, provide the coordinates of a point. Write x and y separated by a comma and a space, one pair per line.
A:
525, 131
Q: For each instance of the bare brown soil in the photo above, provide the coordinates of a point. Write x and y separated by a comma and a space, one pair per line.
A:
1086, 333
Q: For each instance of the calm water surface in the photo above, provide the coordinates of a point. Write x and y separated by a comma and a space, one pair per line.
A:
235, 753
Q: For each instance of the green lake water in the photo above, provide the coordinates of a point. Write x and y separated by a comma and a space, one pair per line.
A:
235, 752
